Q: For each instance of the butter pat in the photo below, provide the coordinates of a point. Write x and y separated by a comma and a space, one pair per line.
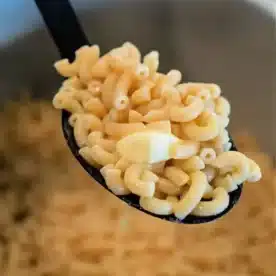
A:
153, 147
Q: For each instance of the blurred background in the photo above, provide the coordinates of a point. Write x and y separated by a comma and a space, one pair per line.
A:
228, 42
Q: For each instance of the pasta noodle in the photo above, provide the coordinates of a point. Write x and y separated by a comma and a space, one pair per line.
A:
156, 206
207, 131
135, 117
192, 164
121, 100
101, 156
166, 186
193, 196
162, 126
187, 113
176, 175
114, 181
141, 95
210, 208
134, 183
122, 130
151, 60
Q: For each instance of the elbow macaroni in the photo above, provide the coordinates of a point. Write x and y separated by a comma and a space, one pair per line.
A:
101, 156
217, 205
121, 99
192, 164
193, 196
114, 181
134, 183
187, 113
85, 124
162, 126
207, 131
181, 154
234, 163
176, 176
156, 206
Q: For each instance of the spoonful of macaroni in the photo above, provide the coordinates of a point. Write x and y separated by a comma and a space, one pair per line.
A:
157, 143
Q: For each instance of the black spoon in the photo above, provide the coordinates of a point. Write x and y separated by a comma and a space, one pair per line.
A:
68, 36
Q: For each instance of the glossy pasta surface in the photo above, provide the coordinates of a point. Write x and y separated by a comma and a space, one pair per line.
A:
120, 95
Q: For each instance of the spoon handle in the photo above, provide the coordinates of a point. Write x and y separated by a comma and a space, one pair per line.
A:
63, 26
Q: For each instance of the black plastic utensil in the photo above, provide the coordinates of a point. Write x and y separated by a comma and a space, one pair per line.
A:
68, 36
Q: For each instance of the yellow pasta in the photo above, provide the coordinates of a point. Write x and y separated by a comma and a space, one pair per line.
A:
171, 95
147, 175
187, 113
195, 88
85, 152
121, 99
142, 95
208, 155
95, 106
156, 115
135, 117
192, 164
234, 163
132, 51
97, 138
141, 72
205, 131
94, 87
191, 199
72, 82
86, 123
108, 87
151, 135
176, 176
122, 164
101, 69
156, 206
101, 156
153, 104
65, 69
88, 60
214, 207
172, 199
208, 192
158, 168
222, 107
225, 182
66, 101
210, 173
176, 129
173, 77
162, 126
105, 168
119, 116
115, 182
151, 60
123, 129
255, 173
134, 183
168, 187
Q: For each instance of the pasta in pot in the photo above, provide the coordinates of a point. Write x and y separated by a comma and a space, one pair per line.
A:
63, 206
153, 136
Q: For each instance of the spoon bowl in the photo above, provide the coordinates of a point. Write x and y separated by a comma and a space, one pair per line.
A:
133, 200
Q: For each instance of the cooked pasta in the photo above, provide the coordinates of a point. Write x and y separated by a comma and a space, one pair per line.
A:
152, 135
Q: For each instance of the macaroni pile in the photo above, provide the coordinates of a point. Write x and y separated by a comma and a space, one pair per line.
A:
150, 134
